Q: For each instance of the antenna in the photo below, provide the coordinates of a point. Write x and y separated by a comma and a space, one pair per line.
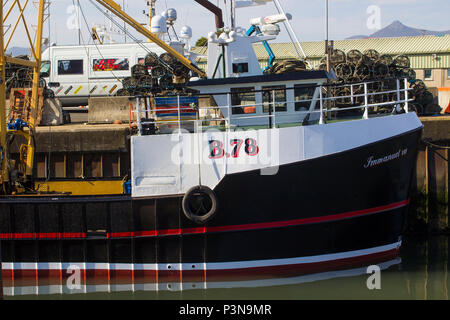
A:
124, 3
151, 13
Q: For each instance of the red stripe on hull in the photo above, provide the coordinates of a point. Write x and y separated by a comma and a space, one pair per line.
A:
145, 276
202, 230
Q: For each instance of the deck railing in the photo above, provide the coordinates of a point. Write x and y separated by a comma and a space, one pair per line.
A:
322, 103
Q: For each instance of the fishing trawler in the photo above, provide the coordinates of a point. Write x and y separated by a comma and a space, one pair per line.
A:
242, 172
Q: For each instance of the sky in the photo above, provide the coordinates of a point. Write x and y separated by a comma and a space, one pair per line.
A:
346, 17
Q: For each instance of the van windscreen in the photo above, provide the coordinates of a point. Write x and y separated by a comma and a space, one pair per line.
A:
45, 67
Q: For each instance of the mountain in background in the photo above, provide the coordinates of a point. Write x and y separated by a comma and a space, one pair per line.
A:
18, 51
398, 29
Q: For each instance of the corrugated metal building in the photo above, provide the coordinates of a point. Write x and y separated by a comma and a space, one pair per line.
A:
429, 55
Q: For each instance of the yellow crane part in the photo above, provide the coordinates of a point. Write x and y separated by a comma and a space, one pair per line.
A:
27, 151
35, 90
95, 36
3, 128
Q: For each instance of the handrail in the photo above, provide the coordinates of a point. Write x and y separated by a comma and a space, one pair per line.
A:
272, 114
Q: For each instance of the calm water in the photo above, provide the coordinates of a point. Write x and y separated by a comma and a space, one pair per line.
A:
421, 272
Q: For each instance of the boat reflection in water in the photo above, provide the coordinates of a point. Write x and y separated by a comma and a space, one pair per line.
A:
420, 272
96, 285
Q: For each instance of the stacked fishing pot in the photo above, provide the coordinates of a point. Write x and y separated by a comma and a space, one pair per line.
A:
380, 71
18, 76
286, 66
156, 75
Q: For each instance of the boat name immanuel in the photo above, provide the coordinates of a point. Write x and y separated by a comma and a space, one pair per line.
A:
371, 162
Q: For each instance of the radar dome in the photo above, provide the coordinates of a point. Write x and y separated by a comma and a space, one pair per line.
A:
159, 25
171, 15
186, 32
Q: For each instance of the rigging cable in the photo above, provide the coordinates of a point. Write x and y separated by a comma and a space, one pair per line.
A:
168, 67
96, 46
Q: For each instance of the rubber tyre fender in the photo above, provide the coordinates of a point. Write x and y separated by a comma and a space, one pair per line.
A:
200, 219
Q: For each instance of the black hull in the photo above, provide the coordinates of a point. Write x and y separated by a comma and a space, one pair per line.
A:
331, 212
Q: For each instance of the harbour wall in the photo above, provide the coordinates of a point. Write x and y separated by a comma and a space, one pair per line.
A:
429, 211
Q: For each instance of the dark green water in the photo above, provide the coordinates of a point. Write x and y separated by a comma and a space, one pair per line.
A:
420, 273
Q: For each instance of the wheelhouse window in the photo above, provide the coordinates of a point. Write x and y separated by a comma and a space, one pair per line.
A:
240, 67
46, 68
112, 64
280, 98
70, 67
448, 73
243, 100
303, 92
428, 74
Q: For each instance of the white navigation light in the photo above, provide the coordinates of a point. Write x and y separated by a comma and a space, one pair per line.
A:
186, 32
159, 25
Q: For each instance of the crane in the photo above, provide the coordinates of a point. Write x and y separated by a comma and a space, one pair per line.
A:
26, 129
18, 126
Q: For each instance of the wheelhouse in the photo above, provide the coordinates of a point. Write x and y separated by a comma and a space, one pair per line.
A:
285, 98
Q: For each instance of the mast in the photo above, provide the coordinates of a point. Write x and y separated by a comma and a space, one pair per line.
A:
291, 33
233, 14
151, 13
3, 147
327, 46
124, 24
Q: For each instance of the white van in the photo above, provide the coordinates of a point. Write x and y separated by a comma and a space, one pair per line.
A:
76, 73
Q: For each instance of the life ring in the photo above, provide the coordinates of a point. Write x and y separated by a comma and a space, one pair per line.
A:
200, 204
